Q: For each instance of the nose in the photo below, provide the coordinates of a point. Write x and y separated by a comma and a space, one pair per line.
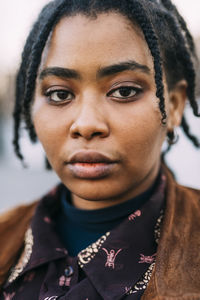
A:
90, 122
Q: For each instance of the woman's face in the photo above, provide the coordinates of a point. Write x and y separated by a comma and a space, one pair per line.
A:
95, 110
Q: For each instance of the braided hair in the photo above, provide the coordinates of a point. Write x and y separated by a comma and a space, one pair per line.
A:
166, 34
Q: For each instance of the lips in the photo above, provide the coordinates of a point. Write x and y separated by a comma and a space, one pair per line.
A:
89, 157
90, 165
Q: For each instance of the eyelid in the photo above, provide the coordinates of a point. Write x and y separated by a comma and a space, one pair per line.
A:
56, 89
137, 89
126, 83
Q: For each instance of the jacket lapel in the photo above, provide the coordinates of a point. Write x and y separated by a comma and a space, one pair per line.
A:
13, 226
176, 275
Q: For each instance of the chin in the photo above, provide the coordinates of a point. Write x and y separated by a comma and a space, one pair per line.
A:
97, 195
95, 191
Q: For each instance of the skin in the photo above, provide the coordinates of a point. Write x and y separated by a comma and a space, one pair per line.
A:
93, 117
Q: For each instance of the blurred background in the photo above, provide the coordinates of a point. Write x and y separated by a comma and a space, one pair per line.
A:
19, 185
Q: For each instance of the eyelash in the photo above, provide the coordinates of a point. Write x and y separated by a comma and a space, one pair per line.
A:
49, 94
67, 93
137, 91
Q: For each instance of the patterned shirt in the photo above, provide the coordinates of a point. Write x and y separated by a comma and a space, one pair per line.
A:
117, 266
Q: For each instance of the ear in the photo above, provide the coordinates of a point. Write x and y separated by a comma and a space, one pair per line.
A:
177, 100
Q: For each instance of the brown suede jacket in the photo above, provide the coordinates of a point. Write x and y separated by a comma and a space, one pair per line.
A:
176, 275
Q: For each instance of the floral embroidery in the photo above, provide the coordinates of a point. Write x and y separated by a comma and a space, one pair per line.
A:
147, 259
135, 215
111, 256
86, 255
24, 259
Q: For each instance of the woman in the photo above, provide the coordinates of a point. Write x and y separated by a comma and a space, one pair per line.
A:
101, 85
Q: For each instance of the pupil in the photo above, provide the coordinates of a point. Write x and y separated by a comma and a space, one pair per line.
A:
62, 95
125, 91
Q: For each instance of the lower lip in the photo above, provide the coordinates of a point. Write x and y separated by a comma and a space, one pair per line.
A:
91, 170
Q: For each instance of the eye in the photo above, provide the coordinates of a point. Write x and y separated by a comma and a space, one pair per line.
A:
59, 96
125, 92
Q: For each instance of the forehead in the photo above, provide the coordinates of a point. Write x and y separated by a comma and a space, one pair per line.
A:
107, 39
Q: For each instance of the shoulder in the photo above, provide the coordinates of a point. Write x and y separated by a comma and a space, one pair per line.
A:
182, 211
16, 214
183, 193
13, 226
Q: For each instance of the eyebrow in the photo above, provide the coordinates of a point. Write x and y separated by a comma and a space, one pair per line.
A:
59, 72
121, 67
102, 72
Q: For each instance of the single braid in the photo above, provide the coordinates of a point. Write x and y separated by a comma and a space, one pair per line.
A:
184, 55
186, 129
189, 74
36, 54
20, 85
21, 81
171, 7
137, 9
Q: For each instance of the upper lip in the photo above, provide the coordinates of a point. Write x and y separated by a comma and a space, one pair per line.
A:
89, 157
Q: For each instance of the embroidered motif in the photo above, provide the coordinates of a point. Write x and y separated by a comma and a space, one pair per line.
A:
47, 220
29, 277
111, 256
147, 259
8, 296
24, 259
86, 255
64, 281
135, 215
63, 250
143, 283
128, 291
157, 227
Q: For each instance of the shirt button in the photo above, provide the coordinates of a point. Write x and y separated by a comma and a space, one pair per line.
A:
69, 271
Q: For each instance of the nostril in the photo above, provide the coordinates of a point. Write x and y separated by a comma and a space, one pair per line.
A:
97, 134
89, 128
76, 134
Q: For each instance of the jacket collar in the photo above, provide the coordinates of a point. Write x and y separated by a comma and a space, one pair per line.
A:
176, 275
41, 244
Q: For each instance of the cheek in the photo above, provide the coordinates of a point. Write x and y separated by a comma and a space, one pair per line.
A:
50, 130
142, 134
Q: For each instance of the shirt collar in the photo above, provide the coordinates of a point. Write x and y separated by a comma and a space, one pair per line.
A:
41, 244
121, 257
